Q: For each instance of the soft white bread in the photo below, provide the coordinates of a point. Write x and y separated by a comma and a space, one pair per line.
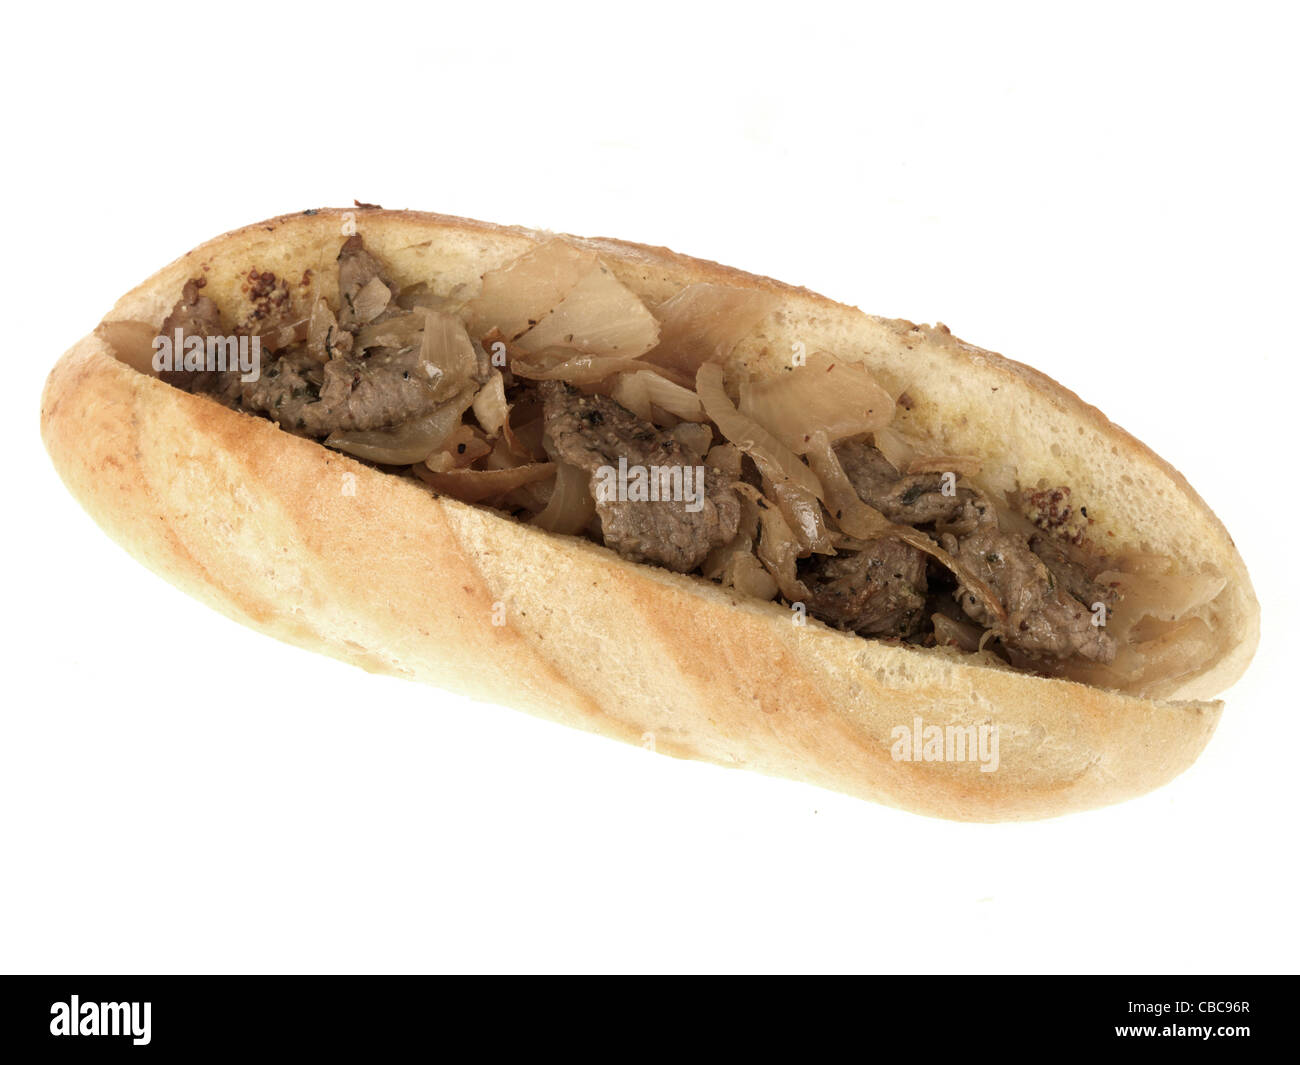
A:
315, 549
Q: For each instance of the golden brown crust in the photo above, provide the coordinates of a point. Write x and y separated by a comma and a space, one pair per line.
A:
315, 549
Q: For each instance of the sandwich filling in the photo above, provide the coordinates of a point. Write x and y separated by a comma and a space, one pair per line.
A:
551, 393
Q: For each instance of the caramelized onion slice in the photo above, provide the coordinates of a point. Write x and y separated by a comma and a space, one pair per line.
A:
693, 436
826, 395
447, 354
399, 331
746, 433
895, 447
370, 302
727, 458
1168, 597
463, 448
778, 548
576, 369
475, 486
1176, 651
571, 506
630, 391
673, 398
1148, 600
490, 406
525, 437
284, 334
803, 513
704, 322
748, 576
519, 294
743, 542
599, 316
323, 332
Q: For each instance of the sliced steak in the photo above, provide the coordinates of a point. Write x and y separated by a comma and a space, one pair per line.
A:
1043, 618
385, 389
878, 591
1070, 575
1046, 600
917, 499
195, 315
592, 432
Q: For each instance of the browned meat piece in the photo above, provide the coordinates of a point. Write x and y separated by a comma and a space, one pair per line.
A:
917, 499
1047, 602
1070, 575
878, 591
1043, 619
387, 388
374, 389
195, 315
592, 432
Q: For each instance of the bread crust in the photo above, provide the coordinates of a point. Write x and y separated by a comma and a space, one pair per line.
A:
311, 547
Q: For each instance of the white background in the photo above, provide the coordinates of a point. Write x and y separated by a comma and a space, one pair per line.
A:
1105, 192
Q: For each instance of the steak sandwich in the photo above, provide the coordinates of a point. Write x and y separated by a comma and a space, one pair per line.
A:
662, 500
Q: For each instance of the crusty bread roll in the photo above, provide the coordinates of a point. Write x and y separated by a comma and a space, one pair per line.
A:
309, 546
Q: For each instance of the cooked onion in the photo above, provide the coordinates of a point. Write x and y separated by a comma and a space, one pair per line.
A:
323, 332
727, 458
704, 322
1175, 652
474, 486
576, 370
630, 391
370, 302
644, 390
526, 439
283, 334
571, 506
132, 343
825, 395
502, 456
599, 316
462, 448
778, 549
693, 436
678, 401
1162, 597
490, 406
1144, 562
746, 433
411, 442
894, 446
422, 295
803, 513
748, 576
516, 296
399, 331
447, 353
717, 560
847, 509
